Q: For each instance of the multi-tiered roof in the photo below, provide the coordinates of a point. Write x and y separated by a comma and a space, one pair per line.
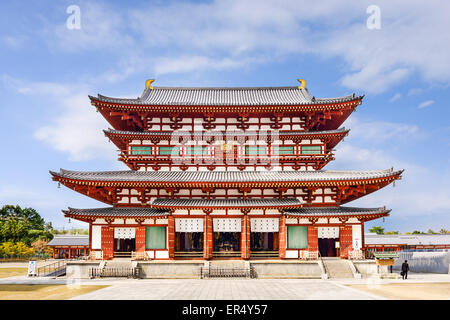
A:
300, 131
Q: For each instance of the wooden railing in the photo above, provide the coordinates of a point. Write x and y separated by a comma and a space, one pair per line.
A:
188, 254
264, 254
226, 254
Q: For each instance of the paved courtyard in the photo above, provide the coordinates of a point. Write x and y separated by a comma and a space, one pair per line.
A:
245, 289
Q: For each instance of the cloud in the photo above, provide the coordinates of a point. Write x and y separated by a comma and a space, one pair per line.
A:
76, 128
395, 97
425, 104
224, 34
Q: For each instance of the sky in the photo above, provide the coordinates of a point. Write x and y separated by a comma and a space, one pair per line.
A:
53, 54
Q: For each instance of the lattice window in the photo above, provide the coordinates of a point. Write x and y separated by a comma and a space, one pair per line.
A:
311, 150
135, 150
283, 150
255, 150
167, 151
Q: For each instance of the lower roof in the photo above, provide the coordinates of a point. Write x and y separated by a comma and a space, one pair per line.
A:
336, 211
121, 212
69, 240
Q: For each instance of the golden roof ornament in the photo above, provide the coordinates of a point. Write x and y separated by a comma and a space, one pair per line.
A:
148, 84
302, 84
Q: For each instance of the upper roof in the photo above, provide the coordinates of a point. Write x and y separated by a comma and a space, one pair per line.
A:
225, 96
223, 176
69, 240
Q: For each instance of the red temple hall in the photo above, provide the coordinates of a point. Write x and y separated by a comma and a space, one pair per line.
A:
226, 173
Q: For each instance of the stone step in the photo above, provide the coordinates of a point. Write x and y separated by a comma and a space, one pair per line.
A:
338, 268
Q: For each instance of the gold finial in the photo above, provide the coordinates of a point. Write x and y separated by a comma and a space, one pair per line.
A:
148, 84
302, 83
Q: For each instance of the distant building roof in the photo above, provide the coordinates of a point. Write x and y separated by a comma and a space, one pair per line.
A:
409, 239
69, 240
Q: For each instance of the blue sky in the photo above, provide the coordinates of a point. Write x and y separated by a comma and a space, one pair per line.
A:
403, 68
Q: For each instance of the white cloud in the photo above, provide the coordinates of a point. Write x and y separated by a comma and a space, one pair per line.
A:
76, 127
395, 97
425, 104
225, 34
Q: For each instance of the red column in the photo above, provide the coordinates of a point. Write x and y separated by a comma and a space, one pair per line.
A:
70, 253
140, 239
345, 240
90, 236
171, 236
53, 252
245, 238
313, 238
282, 238
108, 242
363, 244
208, 238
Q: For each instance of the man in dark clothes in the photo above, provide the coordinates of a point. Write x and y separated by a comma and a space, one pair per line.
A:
405, 269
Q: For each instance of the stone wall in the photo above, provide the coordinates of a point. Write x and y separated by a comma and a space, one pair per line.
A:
287, 269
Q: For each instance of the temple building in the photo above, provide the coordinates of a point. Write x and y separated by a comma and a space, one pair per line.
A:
226, 173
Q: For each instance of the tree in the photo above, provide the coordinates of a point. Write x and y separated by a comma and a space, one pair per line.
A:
26, 225
418, 232
391, 232
431, 231
377, 230
444, 231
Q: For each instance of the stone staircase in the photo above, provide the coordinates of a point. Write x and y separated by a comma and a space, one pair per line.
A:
337, 268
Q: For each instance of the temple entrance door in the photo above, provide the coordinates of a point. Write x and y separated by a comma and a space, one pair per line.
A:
189, 238
226, 238
328, 237
327, 247
124, 242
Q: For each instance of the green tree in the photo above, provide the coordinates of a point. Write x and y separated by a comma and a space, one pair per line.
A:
377, 230
391, 232
418, 232
444, 231
26, 225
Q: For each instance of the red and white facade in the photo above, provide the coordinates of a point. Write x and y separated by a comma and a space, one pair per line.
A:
220, 173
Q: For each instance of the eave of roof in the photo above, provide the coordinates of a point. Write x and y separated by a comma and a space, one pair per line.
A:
226, 203
319, 177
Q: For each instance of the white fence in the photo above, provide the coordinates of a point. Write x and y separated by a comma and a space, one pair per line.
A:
426, 262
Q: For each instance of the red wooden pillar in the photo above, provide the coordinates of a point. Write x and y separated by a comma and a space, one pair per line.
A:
171, 236
245, 237
282, 232
53, 252
313, 238
208, 238
140, 239
345, 240
90, 236
70, 253
108, 242
363, 241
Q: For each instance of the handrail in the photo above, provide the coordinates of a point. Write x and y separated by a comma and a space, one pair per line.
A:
54, 269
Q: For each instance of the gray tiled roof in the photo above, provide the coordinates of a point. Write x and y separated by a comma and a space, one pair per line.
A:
213, 96
233, 203
69, 240
410, 239
223, 176
335, 211
116, 212
225, 133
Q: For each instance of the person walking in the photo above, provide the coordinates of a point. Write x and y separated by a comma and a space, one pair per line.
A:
405, 269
